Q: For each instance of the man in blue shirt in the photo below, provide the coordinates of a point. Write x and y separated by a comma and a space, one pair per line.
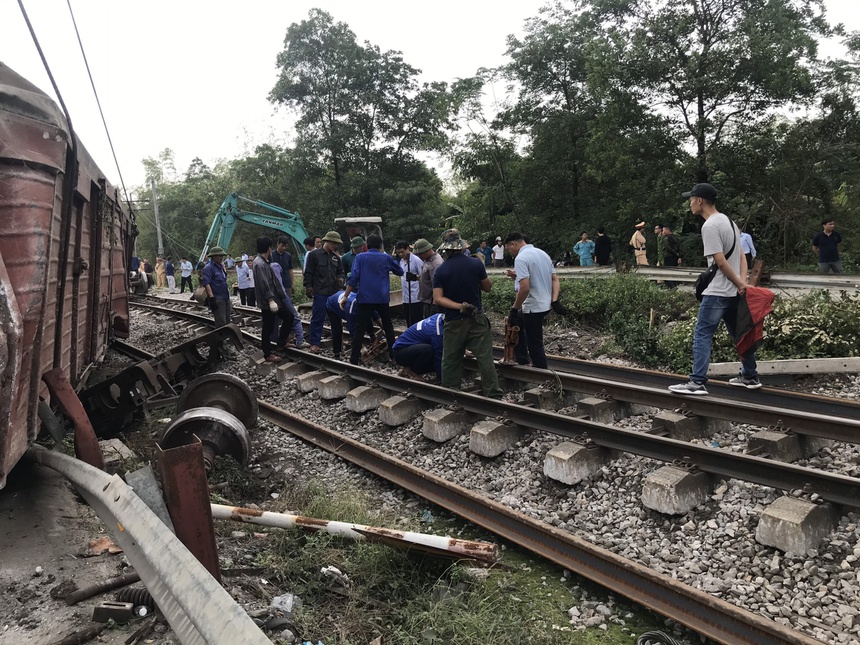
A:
284, 258
214, 278
170, 273
370, 277
419, 349
585, 250
457, 287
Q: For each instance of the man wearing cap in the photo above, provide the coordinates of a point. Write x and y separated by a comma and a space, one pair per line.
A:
722, 244
499, 253
369, 277
323, 277
357, 246
457, 287
214, 278
432, 261
411, 265
637, 241
537, 292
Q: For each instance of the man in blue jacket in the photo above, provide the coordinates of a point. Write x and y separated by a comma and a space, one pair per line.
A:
370, 277
418, 350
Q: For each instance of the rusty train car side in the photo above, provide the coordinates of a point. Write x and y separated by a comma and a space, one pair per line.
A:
65, 247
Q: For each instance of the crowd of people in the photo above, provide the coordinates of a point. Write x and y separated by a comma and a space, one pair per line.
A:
442, 287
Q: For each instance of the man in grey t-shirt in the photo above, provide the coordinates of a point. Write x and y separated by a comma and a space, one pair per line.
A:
722, 242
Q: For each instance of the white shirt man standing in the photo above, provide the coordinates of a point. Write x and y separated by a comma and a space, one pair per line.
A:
411, 265
537, 293
499, 253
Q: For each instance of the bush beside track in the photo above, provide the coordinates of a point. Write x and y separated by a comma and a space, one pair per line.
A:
654, 326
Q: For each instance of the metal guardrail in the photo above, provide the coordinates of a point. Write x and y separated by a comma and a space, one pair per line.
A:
198, 608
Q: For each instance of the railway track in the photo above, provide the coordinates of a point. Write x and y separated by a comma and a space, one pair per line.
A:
729, 629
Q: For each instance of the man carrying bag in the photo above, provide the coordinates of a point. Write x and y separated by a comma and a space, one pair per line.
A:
720, 287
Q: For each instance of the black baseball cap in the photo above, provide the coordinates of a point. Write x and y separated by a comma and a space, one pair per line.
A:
705, 191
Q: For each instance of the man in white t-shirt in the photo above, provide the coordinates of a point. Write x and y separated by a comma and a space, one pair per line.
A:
537, 293
499, 253
722, 242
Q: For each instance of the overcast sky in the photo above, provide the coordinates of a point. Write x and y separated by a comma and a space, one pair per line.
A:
193, 76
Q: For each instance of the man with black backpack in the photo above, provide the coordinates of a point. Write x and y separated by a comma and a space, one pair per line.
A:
721, 240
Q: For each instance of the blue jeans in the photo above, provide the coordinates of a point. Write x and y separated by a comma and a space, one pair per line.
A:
318, 316
712, 310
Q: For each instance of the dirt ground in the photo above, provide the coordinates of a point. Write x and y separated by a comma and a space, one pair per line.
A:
45, 531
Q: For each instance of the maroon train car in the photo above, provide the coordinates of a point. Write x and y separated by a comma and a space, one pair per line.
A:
65, 246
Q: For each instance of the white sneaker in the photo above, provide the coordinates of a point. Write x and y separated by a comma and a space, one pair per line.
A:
690, 387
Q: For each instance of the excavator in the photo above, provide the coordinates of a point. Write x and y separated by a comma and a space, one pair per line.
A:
229, 213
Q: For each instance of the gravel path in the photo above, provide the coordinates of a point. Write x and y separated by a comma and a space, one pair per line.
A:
710, 548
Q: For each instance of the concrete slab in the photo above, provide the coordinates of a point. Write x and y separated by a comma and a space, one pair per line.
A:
399, 410
680, 426
602, 410
254, 357
779, 445
675, 491
542, 398
264, 367
335, 387
792, 366
116, 455
795, 525
491, 437
443, 424
570, 463
365, 397
289, 371
309, 381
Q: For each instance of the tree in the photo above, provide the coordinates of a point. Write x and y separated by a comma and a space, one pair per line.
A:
713, 64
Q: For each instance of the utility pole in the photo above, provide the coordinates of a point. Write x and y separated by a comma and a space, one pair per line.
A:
157, 221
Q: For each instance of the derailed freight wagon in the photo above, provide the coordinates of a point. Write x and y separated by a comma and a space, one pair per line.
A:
65, 248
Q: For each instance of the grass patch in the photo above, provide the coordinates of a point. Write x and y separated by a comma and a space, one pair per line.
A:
413, 599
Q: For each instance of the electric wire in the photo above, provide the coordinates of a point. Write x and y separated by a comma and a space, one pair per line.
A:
99, 104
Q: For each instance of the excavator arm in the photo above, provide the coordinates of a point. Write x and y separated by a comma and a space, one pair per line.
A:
229, 213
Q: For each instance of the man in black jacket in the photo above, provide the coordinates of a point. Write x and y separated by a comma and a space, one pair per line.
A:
272, 299
323, 278
602, 248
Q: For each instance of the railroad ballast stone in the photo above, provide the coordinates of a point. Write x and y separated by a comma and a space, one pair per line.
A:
491, 437
442, 424
795, 526
675, 491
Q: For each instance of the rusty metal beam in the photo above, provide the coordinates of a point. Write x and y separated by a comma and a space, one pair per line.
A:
86, 445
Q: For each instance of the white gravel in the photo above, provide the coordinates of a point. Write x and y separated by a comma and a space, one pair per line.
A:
710, 548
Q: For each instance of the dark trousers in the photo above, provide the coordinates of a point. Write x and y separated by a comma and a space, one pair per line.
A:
530, 344
671, 261
248, 297
749, 261
418, 358
336, 324
363, 317
269, 319
184, 282
430, 309
413, 312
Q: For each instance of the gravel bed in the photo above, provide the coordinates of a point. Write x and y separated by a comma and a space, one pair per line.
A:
711, 548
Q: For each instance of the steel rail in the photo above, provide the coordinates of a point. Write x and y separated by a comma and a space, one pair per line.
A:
808, 423
839, 489
766, 472
846, 413
131, 351
198, 608
701, 612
